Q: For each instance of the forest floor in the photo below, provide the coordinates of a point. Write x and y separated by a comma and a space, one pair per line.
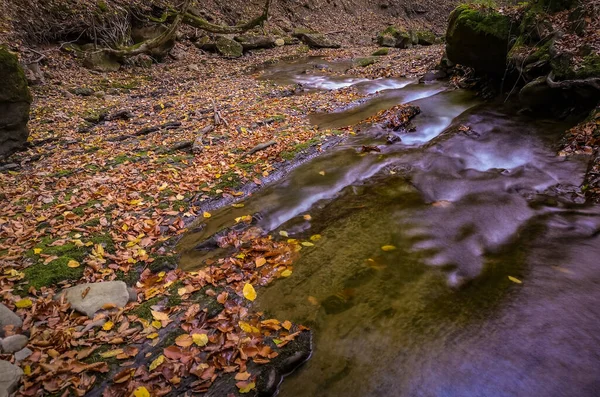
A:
119, 166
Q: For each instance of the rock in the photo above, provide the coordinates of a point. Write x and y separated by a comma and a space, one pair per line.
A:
252, 42
14, 343
538, 96
100, 94
316, 40
132, 294
10, 376
98, 295
425, 37
23, 354
149, 32
8, 317
280, 42
364, 62
15, 101
101, 61
381, 52
478, 38
393, 37
433, 75
82, 91
229, 48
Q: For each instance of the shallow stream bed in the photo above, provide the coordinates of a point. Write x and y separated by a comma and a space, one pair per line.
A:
490, 281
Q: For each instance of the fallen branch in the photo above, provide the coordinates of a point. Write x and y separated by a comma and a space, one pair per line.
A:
201, 23
260, 147
593, 82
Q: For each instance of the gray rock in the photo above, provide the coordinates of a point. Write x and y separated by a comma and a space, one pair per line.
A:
10, 376
23, 354
252, 42
315, 40
8, 317
229, 48
15, 101
101, 61
98, 295
14, 343
132, 294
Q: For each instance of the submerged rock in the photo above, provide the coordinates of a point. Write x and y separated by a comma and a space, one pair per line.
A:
478, 38
7, 318
15, 101
98, 295
10, 376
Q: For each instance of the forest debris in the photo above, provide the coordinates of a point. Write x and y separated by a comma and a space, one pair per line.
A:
261, 146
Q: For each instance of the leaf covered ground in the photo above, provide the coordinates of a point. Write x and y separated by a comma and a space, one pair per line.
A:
119, 166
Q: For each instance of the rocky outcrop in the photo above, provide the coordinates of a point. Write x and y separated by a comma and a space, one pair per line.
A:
478, 38
15, 101
316, 40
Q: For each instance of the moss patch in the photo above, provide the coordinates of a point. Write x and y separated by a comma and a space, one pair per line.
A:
380, 52
482, 21
41, 275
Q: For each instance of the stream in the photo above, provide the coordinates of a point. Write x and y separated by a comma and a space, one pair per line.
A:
475, 194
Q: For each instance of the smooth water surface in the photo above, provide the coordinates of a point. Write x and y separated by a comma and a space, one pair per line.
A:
474, 195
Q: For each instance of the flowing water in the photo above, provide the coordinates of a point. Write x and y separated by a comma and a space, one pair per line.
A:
465, 208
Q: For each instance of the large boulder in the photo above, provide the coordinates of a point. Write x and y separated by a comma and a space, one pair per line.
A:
228, 48
478, 37
15, 101
316, 40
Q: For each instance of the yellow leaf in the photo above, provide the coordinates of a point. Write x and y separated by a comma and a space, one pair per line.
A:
27, 370
307, 217
141, 392
241, 256
322, 172
160, 316
307, 244
154, 364
206, 214
388, 248
108, 325
37, 251
163, 187
200, 339
286, 324
125, 227
249, 292
237, 205
260, 261
515, 280
245, 326
24, 303
156, 324
286, 273
29, 208
283, 233
182, 291
153, 335
111, 353
315, 237
73, 263
247, 388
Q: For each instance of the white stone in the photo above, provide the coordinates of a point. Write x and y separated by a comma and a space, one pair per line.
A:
14, 343
98, 295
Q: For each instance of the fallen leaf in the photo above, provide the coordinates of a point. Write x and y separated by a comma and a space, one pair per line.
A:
108, 325
286, 324
73, 263
200, 339
206, 214
243, 375
160, 316
315, 237
111, 353
157, 362
286, 273
515, 280
388, 248
184, 340
25, 303
249, 292
260, 261
283, 233
245, 387
141, 392
322, 173
307, 217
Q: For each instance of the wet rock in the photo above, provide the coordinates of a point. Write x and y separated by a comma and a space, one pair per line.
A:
335, 304
15, 101
537, 95
101, 61
364, 62
7, 318
316, 40
433, 75
229, 48
97, 296
478, 39
10, 376
23, 354
252, 42
95, 116
14, 343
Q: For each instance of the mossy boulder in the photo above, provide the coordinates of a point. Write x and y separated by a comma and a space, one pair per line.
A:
425, 37
228, 48
15, 101
478, 37
316, 40
393, 37
101, 61
253, 42
364, 62
381, 52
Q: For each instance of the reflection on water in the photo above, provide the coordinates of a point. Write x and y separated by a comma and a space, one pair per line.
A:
464, 208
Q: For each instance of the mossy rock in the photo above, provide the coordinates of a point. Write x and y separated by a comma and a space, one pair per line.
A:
554, 5
478, 38
41, 275
394, 37
101, 61
425, 37
317, 41
15, 101
564, 69
229, 48
381, 52
364, 62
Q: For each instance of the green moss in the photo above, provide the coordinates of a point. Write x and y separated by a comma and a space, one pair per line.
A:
174, 299
129, 278
380, 52
41, 275
484, 21
13, 85
68, 249
228, 180
144, 310
391, 31
364, 62
290, 155
163, 263
565, 70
